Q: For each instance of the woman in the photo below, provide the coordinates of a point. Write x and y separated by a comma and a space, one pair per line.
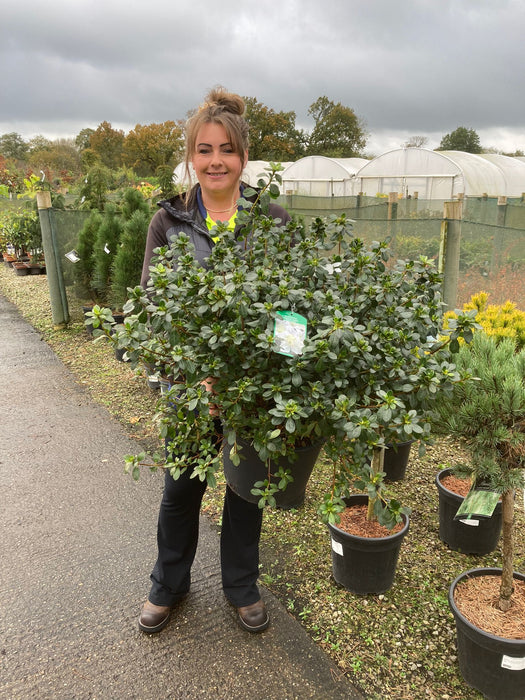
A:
217, 147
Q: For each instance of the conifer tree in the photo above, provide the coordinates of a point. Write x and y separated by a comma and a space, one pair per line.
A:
105, 249
85, 266
127, 264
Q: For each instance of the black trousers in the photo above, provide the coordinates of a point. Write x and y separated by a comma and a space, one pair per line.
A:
177, 537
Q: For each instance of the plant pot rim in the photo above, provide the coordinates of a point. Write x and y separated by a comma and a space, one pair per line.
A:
394, 445
446, 472
360, 499
481, 571
440, 485
246, 440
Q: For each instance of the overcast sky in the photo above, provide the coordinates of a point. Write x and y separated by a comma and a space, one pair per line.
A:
412, 67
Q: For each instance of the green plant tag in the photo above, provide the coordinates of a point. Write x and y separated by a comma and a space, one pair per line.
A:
289, 333
478, 503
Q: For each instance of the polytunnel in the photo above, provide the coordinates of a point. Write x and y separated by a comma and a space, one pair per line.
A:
513, 170
255, 169
437, 175
321, 176
180, 176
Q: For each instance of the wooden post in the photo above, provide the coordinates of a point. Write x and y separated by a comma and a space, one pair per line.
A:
449, 251
55, 279
392, 216
392, 205
497, 239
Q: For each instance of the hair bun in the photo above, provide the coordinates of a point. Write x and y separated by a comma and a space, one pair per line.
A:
229, 101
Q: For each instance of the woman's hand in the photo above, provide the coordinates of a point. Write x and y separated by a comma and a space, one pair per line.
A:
208, 385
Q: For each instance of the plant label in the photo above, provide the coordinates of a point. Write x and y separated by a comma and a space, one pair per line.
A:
337, 547
479, 503
469, 521
289, 333
72, 256
512, 663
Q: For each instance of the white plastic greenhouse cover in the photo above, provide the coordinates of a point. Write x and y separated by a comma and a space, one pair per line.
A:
432, 174
513, 170
180, 177
321, 176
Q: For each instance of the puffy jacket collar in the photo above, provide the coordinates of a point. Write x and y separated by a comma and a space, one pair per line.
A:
187, 209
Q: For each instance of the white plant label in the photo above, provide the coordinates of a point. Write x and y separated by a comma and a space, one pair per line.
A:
289, 333
337, 547
512, 663
72, 256
471, 521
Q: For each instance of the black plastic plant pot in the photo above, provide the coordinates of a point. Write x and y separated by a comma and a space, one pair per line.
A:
475, 536
242, 477
396, 460
493, 665
120, 354
88, 323
365, 565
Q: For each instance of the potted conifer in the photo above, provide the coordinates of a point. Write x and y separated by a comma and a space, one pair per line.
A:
110, 250
489, 417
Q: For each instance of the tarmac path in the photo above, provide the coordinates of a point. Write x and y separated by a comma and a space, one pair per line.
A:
78, 542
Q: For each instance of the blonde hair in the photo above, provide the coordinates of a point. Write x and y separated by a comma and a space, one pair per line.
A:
224, 108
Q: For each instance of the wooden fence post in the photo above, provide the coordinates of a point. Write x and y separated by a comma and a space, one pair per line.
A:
392, 216
449, 251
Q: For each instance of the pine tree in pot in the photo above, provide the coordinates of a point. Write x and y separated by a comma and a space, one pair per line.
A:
310, 338
489, 416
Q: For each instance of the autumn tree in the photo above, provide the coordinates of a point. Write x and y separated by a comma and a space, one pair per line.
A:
83, 139
337, 132
273, 135
60, 157
109, 144
462, 139
13, 146
148, 147
39, 143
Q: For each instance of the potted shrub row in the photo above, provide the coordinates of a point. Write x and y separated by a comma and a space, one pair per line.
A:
313, 340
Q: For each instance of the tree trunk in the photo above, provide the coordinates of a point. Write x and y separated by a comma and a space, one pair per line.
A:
507, 580
378, 460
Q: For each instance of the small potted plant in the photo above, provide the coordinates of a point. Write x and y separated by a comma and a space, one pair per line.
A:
489, 417
310, 339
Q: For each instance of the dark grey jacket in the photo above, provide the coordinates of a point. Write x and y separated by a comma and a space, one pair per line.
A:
175, 216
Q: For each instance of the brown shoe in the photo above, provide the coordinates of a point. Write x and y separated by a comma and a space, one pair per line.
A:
153, 618
253, 618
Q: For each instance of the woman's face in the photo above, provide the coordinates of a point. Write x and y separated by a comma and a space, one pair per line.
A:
217, 166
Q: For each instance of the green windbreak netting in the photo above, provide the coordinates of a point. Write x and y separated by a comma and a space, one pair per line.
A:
67, 224
492, 250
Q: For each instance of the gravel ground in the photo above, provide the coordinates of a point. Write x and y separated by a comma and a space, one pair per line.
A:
392, 646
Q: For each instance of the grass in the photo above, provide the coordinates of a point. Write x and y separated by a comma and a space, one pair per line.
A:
393, 646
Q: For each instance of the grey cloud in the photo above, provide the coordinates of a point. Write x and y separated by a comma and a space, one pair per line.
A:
419, 66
